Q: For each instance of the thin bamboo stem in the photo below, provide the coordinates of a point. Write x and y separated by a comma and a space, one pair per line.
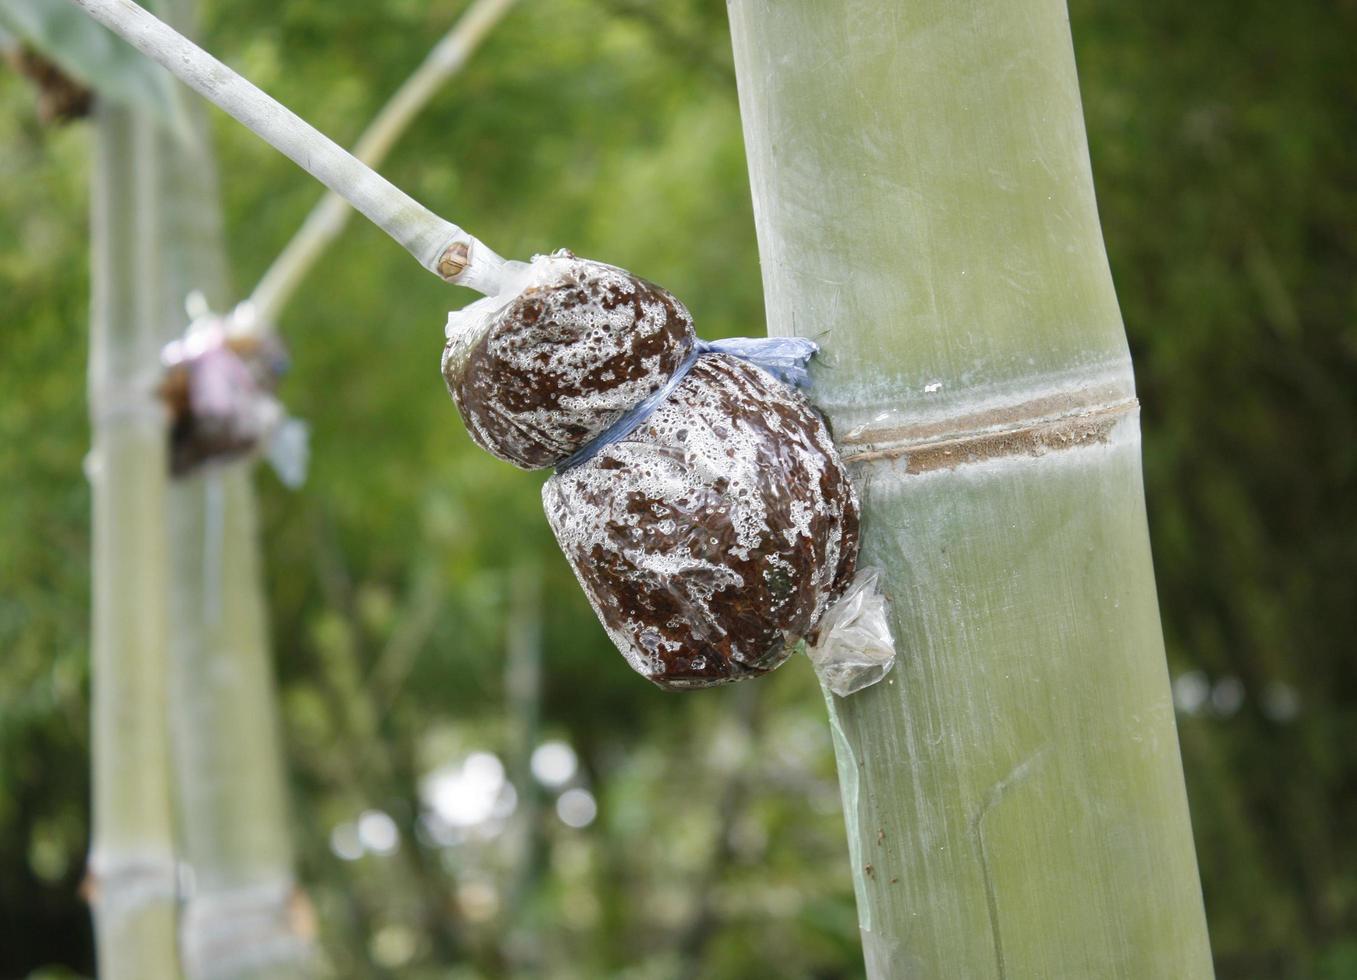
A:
1013, 790
440, 246
132, 864
328, 218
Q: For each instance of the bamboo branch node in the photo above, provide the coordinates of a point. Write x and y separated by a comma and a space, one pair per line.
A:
253, 927
1031, 428
130, 401
124, 885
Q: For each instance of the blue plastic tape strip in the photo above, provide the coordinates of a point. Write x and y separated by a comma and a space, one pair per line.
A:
785, 358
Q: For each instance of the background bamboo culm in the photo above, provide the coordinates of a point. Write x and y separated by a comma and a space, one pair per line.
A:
186, 574
1013, 792
242, 915
131, 878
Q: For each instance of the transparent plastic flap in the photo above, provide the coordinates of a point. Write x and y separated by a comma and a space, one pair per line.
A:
855, 648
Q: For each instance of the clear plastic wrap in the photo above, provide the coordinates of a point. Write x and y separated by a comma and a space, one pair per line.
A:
853, 648
565, 350
697, 496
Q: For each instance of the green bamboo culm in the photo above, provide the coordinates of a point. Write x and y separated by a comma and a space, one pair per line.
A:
1013, 791
242, 916
132, 861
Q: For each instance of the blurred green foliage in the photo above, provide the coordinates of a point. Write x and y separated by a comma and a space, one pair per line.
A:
1222, 138
62, 32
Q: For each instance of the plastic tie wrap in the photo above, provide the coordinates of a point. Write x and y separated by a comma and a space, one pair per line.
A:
854, 649
785, 358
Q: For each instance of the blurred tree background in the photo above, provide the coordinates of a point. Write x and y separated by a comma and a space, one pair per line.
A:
655, 835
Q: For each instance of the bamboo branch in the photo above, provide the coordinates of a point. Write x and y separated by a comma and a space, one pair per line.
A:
439, 245
397, 658
328, 218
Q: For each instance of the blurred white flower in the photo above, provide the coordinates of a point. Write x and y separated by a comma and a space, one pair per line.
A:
467, 794
345, 843
1227, 697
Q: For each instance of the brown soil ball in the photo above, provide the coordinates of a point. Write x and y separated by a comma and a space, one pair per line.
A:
711, 539
539, 371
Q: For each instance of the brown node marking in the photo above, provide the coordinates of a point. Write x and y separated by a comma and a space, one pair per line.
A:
1016, 415
1033, 438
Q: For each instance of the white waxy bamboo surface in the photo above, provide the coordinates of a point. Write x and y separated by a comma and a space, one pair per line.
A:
1013, 791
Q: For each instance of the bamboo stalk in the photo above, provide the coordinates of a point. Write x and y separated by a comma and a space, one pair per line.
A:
132, 870
1013, 790
438, 245
328, 218
239, 919
243, 915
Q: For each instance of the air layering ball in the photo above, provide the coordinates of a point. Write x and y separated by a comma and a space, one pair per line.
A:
712, 537
568, 347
